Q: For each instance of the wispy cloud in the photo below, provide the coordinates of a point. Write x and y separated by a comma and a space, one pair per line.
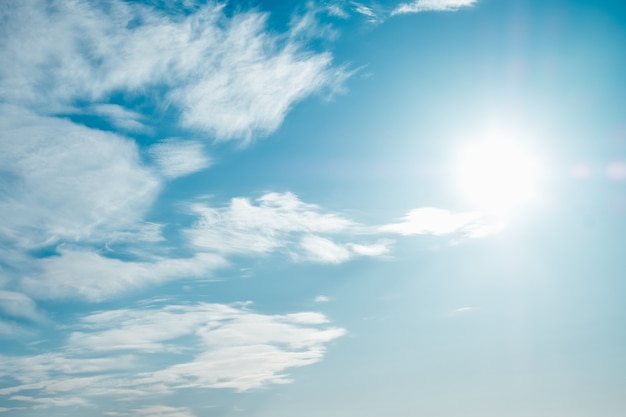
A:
121, 117
274, 223
432, 5
279, 222
462, 311
435, 221
366, 11
177, 158
226, 346
337, 11
11, 330
227, 76
19, 305
370, 11
43, 402
244, 227
162, 411
67, 181
91, 276
319, 249
382, 247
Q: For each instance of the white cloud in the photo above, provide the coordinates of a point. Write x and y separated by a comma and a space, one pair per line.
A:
365, 11
247, 228
122, 118
226, 75
57, 372
91, 276
277, 223
461, 311
377, 249
280, 222
432, 5
50, 402
10, 330
319, 249
337, 11
163, 411
322, 299
19, 305
254, 82
140, 232
63, 181
435, 221
177, 158
226, 346
359, 8
247, 350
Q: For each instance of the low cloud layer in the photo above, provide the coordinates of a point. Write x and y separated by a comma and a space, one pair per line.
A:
112, 354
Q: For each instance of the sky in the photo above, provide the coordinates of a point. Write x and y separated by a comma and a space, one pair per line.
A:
312, 208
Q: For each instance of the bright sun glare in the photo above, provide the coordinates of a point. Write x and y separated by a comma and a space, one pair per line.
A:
497, 175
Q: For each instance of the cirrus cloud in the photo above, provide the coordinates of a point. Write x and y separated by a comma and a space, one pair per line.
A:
111, 354
432, 5
227, 76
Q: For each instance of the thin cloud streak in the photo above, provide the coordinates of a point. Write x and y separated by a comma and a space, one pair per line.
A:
438, 222
178, 158
432, 6
122, 118
93, 277
163, 411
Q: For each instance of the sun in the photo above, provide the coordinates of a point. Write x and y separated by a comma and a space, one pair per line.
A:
498, 175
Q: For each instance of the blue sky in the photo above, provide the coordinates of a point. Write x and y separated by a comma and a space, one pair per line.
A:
307, 208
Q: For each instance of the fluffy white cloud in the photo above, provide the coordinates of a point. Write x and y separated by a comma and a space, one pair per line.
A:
227, 75
431, 5
112, 353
